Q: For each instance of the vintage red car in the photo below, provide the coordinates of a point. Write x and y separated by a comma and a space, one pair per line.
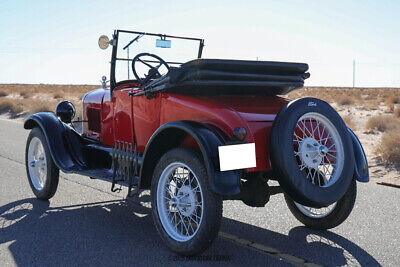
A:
198, 133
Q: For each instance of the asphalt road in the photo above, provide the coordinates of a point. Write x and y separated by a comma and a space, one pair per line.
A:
86, 224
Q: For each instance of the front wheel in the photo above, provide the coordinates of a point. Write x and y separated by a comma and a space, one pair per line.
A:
186, 212
42, 173
325, 217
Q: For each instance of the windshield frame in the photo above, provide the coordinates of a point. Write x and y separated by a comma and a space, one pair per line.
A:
114, 56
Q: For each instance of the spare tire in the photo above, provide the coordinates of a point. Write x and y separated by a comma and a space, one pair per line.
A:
312, 152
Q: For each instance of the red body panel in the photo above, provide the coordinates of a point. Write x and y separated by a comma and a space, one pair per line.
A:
124, 118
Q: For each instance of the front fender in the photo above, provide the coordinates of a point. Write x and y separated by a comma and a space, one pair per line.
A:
361, 171
56, 132
223, 183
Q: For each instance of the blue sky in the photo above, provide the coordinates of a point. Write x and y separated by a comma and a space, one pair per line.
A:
56, 41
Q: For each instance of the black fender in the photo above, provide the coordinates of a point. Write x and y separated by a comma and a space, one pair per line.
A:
171, 135
361, 172
65, 144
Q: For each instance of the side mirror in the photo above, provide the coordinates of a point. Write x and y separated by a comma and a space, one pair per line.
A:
104, 42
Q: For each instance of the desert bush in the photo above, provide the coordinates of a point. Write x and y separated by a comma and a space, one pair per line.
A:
6, 106
390, 100
397, 112
57, 96
10, 106
383, 123
389, 147
3, 93
40, 107
24, 94
344, 100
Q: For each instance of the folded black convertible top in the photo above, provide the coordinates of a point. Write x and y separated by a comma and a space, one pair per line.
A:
220, 76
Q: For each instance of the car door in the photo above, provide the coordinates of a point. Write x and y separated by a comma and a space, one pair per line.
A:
123, 120
146, 117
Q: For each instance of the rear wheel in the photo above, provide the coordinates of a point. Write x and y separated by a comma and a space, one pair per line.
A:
42, 173
186, 212
326, 217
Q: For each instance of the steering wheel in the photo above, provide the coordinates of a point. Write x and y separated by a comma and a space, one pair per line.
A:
153, 71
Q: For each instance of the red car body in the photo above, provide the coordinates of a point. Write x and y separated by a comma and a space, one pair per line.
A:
124, 118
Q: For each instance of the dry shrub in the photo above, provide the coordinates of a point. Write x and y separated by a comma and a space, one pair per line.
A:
8, 106
397, 112
344, 100
24, 94
3, 93
389, 147
392, 100
57, 96
40, 107
382, 123
348, 119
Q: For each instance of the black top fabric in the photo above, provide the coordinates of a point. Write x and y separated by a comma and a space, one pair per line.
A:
219, 76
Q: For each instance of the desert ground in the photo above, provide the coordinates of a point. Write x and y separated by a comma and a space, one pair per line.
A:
373, 113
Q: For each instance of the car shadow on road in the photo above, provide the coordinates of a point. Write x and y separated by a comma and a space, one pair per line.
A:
122, 232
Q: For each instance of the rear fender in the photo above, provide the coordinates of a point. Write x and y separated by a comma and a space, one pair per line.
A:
361, 172
171, 135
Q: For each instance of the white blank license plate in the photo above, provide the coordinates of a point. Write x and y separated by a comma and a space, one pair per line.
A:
233, 157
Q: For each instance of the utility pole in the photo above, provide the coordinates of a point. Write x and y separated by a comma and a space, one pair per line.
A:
354, 72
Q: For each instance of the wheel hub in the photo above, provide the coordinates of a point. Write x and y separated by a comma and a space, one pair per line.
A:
312, 152
186, 200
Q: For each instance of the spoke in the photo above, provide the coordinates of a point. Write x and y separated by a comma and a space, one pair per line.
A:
304, 134
197, 224
183, 222
197, 216
325, 180
313, 177
308, 173
319, 133
144, 62
307, 128
169, 191
323, 131
329, 148
298, 138
302, 166
331, 155
329, 137
312, 128
329, 161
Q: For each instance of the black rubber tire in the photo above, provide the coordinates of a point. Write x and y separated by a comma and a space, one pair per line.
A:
338, 215
52, 176
284, 162
212, 213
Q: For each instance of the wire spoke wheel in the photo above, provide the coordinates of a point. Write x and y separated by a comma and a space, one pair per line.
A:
316, 212
37, 164
319, 152
318, 149
180, 201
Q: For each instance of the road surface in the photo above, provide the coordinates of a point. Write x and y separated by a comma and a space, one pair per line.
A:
86, 224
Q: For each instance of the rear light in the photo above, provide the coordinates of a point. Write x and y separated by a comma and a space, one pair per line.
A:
239, 133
